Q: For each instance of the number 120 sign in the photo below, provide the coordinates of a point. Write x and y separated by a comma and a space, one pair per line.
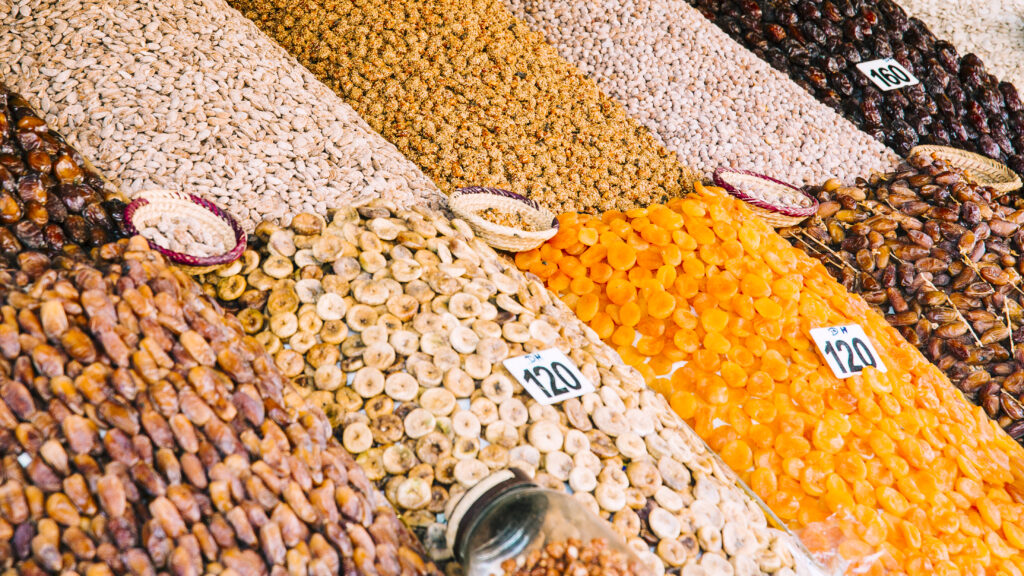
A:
846, 349
549, 376
887, 74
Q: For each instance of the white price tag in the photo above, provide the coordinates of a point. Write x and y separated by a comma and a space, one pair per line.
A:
887, 74
846, 349
549, 376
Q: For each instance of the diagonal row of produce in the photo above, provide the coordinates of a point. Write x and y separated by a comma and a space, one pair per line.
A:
357, 387
707, 98
821, 43
989, 29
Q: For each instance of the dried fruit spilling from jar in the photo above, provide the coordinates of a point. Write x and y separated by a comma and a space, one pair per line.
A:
893, 470
142, 432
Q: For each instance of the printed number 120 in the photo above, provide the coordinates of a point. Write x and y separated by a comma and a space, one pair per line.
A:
555, 374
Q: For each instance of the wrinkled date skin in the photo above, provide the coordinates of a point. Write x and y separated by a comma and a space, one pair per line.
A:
114, 381
51, 201
945, 271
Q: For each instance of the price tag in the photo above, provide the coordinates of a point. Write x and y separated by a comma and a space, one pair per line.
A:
846, 349
549, 376
887, 74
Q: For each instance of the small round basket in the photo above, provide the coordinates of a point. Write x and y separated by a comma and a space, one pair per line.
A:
470, 203
983, 170
145, 210
777, 203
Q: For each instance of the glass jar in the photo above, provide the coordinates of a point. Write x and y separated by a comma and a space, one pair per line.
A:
508, 522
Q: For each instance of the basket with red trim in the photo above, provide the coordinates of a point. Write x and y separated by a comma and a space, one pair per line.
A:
777, 203
147, 208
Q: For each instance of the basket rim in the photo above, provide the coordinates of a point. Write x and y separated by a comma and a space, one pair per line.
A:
796, 212
479, 222
180, 257
1011, 177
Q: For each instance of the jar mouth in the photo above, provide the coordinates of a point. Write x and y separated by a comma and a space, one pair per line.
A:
477, 499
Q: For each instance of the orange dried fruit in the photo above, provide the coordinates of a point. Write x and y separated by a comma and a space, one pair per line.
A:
621, 256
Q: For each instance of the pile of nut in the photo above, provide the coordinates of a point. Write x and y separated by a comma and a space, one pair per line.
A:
820, 42
50, 200
704, 96
182, 234
189, 95
940, 259
573, 558
511, 219
397, 323
475, 98
143, 433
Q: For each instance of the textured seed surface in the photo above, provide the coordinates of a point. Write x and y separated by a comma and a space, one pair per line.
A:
861, 466
454, 417
704, 96
159, 465
475, 98
189, 95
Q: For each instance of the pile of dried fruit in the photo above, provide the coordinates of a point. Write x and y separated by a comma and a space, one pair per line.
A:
902, 464
143, 433
398, 323
819, 43
50, 200
476, 99
189, 95
940, 259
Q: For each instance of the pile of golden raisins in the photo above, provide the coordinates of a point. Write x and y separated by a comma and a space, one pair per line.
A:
894, 470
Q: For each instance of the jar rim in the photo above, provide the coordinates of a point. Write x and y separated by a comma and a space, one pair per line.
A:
477, 499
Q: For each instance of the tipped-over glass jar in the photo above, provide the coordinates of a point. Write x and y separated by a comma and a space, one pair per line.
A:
506, 525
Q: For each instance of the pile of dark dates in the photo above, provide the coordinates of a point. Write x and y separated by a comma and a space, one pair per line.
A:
940, 258
51, 200
819, 42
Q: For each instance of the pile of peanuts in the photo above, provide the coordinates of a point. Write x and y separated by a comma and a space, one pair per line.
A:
397, 323
142, 432
891, 471
475, 98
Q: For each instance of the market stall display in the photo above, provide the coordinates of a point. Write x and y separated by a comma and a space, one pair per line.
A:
892, 469
51, 200
143, 432
819, 43
700, 93
938, 256
400, 324
189, 96
475, 98
988, 28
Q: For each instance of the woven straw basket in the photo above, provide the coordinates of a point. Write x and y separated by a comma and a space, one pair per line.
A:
144, 212
468, 203
777, 203
981, 169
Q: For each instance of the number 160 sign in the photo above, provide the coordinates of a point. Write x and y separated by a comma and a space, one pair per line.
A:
846, 349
